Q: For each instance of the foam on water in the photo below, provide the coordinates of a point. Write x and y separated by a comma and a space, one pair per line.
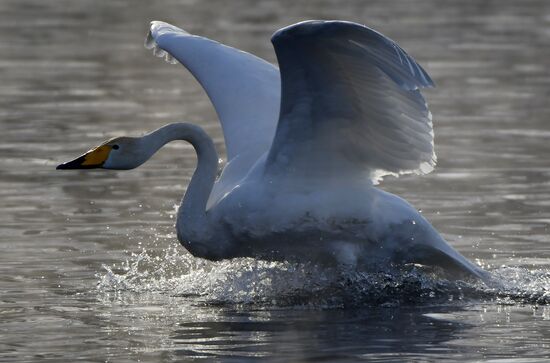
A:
262, 283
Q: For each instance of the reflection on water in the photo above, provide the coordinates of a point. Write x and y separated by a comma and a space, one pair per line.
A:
75, 73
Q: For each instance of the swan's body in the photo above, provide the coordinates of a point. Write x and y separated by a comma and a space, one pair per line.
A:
304, 149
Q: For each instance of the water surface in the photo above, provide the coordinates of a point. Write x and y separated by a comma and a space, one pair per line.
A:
90, 265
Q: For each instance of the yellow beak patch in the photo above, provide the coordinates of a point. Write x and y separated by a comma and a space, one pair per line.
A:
97, 156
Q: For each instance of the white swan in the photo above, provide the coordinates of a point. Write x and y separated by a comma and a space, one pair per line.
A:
304, 146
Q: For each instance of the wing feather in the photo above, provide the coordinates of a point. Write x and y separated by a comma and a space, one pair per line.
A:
351, 101
244, 89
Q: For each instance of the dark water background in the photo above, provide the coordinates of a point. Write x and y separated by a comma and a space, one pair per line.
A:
90, 267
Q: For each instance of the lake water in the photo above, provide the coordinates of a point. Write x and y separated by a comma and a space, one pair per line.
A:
90, 267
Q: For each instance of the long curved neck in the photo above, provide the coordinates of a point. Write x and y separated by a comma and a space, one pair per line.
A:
192, 211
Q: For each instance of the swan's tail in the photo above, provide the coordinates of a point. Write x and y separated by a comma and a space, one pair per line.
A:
451, 260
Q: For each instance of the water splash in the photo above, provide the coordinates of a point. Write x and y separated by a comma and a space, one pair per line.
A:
262, 283
520, 285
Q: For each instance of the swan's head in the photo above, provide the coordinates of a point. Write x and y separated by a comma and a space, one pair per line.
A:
121, 153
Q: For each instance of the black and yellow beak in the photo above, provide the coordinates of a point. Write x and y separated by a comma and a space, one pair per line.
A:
94, 158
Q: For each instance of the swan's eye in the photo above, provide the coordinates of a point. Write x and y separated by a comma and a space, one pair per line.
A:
115, 147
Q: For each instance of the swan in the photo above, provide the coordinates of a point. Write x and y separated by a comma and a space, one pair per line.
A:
306, 145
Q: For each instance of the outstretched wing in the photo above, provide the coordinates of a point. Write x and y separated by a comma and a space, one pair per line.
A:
350, 103
244, 89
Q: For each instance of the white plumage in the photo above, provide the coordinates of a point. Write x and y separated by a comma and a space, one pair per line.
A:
304, 146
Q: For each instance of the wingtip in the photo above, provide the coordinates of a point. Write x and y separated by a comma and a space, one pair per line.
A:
156, 30
427, 81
